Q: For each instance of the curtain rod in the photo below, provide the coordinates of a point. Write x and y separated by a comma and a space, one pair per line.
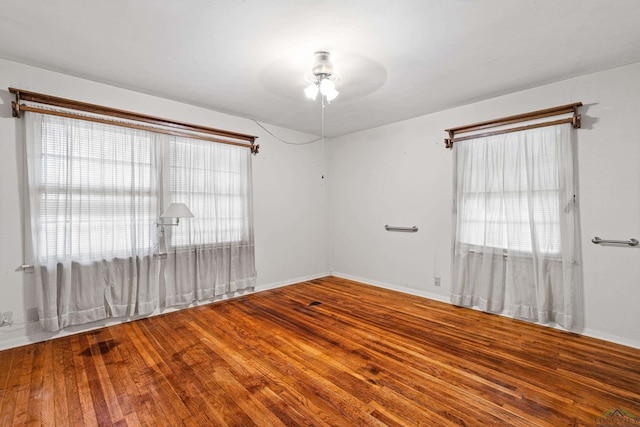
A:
519, 118
171, 127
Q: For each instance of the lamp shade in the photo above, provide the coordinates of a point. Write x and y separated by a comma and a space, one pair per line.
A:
177, 210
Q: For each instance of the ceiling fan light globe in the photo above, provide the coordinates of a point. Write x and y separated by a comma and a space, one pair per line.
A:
331, 95
311, 92
327, 86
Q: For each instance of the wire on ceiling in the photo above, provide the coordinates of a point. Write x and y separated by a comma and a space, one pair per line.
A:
284, 141
296, 143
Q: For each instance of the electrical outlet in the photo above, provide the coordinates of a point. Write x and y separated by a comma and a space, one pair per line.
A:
436, 281
6, 318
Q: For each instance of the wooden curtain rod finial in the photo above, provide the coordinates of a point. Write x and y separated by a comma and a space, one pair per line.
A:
448, 142
15, 105
577, 121
15, 109
255, 149
577, 118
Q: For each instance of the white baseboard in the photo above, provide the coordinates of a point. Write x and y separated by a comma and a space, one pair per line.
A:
588, 332
288, 282
410, 291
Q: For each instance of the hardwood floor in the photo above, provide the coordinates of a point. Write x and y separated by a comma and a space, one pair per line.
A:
364, 356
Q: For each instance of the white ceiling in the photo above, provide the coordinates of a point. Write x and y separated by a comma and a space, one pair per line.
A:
396, 59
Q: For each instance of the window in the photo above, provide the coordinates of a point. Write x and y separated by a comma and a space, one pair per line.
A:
212, 180
100, 194
503, 202
96, 192
515, 197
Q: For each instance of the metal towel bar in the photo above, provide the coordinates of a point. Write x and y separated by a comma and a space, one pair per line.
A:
26, 268
630, 242
413, 229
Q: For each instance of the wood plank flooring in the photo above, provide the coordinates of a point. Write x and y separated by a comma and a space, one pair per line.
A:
364, 356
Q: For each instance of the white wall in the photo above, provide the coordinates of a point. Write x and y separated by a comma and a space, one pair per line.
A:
290, 197
400, 174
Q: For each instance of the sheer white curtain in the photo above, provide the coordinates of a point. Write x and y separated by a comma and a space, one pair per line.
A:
211, 254
515, 225
93, 201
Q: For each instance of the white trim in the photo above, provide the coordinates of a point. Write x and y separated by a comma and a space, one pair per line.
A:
260, 288
412, 291
588, 332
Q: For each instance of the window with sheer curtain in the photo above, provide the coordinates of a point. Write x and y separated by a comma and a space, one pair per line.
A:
199, 170
501, 205
95, 194
515, 225
213, 253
